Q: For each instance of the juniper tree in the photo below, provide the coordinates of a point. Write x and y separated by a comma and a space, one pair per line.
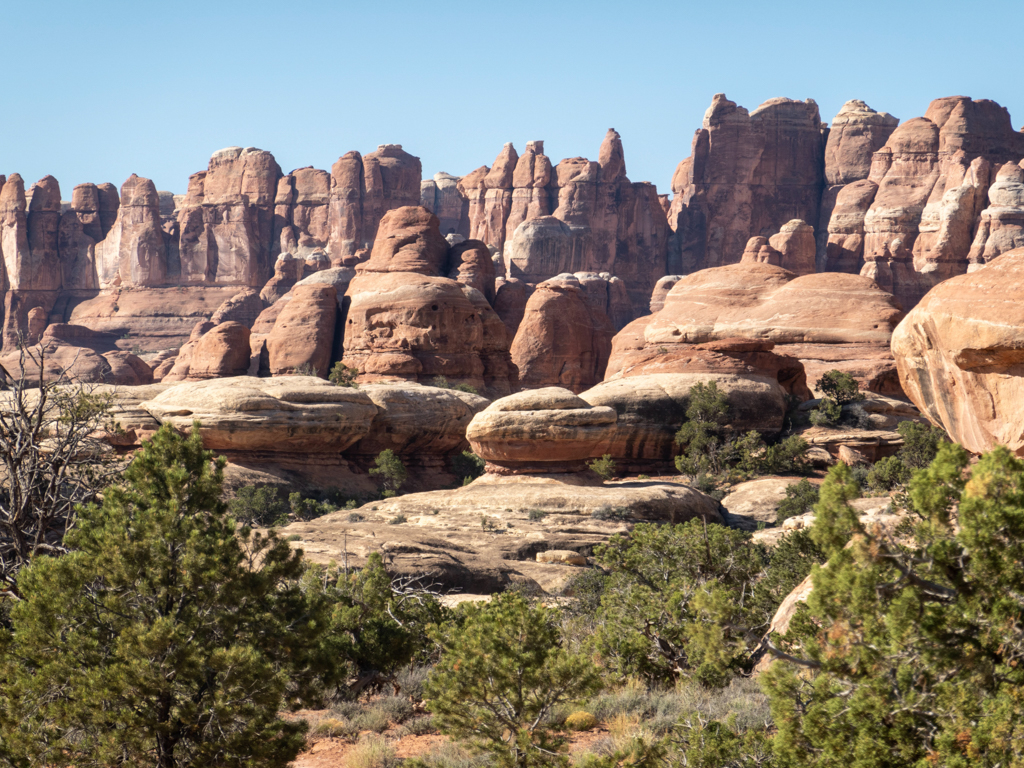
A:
165, 637
911, 649
502, 672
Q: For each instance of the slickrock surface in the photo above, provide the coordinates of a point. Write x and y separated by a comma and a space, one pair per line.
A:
480, 539
287, 414
959, 355
825, 320
651, 408
541, 430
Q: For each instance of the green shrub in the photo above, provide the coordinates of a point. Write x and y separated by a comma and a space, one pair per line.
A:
840, 387
306, 369
887, 473
827, 413
603, 467
344, 376
536, 514
800, 498
307, 509
391, 471
356, 517
673, 606
608, 512
398, 520
465, 388
921, 443
258, 505
467, 466
580, 721
397, 709
502, 670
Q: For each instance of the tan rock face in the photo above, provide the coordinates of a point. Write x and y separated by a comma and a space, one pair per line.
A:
410, 326
747, 175
413, 419
409, 240
134, 252
303, 335
83, 355
470, 263
795, 245
857, 132
958, 354
540, 430
221, 352
564, 339
825, 320
652, 407
1001, 228
286, 414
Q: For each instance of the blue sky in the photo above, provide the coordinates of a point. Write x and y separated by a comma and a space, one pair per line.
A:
95, 91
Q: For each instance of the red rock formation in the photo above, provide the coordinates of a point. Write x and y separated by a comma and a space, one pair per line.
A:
747, 175
824, 320
857, 133
363, 189
758, 251
80, 355
933, 175
442, 197
227, 219
795, 245
1001, 228
470, 264
303, 335
222, 351
530, 195
959, 353
134, 252
409, 240
301, 213
564, 339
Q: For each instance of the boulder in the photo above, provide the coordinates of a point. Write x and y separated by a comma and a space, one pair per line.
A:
244, 307
651, 408
303, 335
825, 320
78, 354
415, 327
221, 352
541, 430
755, 503
471, 264
302, 414
413, 419
795, 246
564, 339
959, 355
408, 240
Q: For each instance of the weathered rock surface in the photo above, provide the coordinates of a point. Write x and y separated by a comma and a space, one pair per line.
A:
755, 503
1001, 228
303, 334
78, 354
408, 240
824, 320
287, 414
443, 538
747, 175
959, 355
221, 352
651, 408
564, 339
541, 430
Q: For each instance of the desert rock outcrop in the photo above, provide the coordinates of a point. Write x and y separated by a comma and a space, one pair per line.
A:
959, 355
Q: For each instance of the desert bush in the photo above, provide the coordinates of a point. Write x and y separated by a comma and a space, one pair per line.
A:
258, 505
501, 673
467, 466
398, 520
390, 469
580, 721
603, 467
839, 387
800, 499
450, 754
536, 514
371, 751
344, 376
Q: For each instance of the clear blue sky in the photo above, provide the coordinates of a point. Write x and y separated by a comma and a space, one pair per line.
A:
95, 91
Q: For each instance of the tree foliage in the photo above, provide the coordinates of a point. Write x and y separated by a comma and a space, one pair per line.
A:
676, 604
502, 672
377, 625
163, 638
391, 471
50, 460
911, 646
